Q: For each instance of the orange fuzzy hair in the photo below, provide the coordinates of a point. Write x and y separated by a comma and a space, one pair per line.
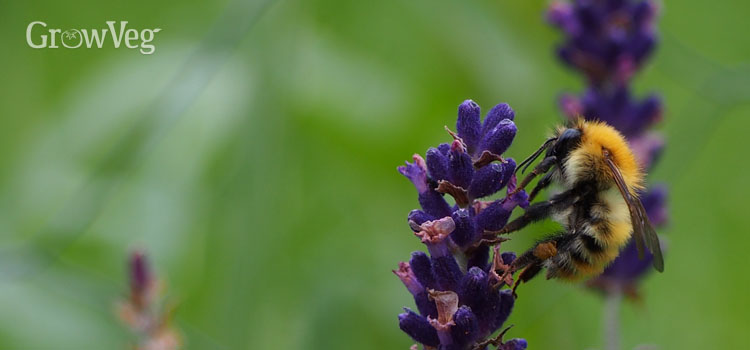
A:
598, 135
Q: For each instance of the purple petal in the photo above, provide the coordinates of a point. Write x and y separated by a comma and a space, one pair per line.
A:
466, 328
643, 14
520, 198
465, 232
655, 203
493, 218
416, 173
487, 181
514, 344
480, 258
461, 167
418, 328
492, 178
140, 275
475, 289
434, 204
508, 257
649, 111
425, 306
647, 148
570, 105
499, 138
421, 266
467, 125
437, 164
444, 148
561, 15
627, 267
496, 115
504, 307
447, 272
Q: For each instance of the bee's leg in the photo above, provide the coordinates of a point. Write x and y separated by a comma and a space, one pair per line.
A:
538, 211
542, 184
541, 168
535, 212
527, 274
540, 252
532, 261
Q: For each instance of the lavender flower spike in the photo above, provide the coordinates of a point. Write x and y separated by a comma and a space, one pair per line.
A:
459, 305
143, 313
140, 279
607, 41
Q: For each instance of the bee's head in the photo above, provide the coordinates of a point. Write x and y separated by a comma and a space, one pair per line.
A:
566, 140
560, 145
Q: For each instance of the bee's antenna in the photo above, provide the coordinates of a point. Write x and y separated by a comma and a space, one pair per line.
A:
526, 162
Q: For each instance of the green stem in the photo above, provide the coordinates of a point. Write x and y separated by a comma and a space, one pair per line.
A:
612, 303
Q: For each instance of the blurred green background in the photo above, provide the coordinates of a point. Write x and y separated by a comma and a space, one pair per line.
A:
253, 156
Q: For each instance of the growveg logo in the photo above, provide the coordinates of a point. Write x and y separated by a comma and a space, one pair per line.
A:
39, 36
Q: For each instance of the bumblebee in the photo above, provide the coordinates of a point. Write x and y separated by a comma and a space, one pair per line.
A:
598, 207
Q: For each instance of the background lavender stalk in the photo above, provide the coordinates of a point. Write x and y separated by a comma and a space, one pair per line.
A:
607, 41
143, 312
456, 289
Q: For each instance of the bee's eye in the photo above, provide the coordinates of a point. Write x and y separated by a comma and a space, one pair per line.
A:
568, 140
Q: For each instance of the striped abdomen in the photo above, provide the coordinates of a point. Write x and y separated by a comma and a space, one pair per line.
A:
597, 228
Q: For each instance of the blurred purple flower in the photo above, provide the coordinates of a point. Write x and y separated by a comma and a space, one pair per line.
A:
607, 41
615, 106
143, 312
140, 279
460, 301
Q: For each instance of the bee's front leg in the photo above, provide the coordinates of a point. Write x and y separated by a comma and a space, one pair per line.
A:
544, 166
542, 184
538, 211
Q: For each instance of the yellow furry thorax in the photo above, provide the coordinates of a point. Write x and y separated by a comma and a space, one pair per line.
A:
598, 135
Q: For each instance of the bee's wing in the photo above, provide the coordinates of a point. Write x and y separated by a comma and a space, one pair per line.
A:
652, 240
643, 231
